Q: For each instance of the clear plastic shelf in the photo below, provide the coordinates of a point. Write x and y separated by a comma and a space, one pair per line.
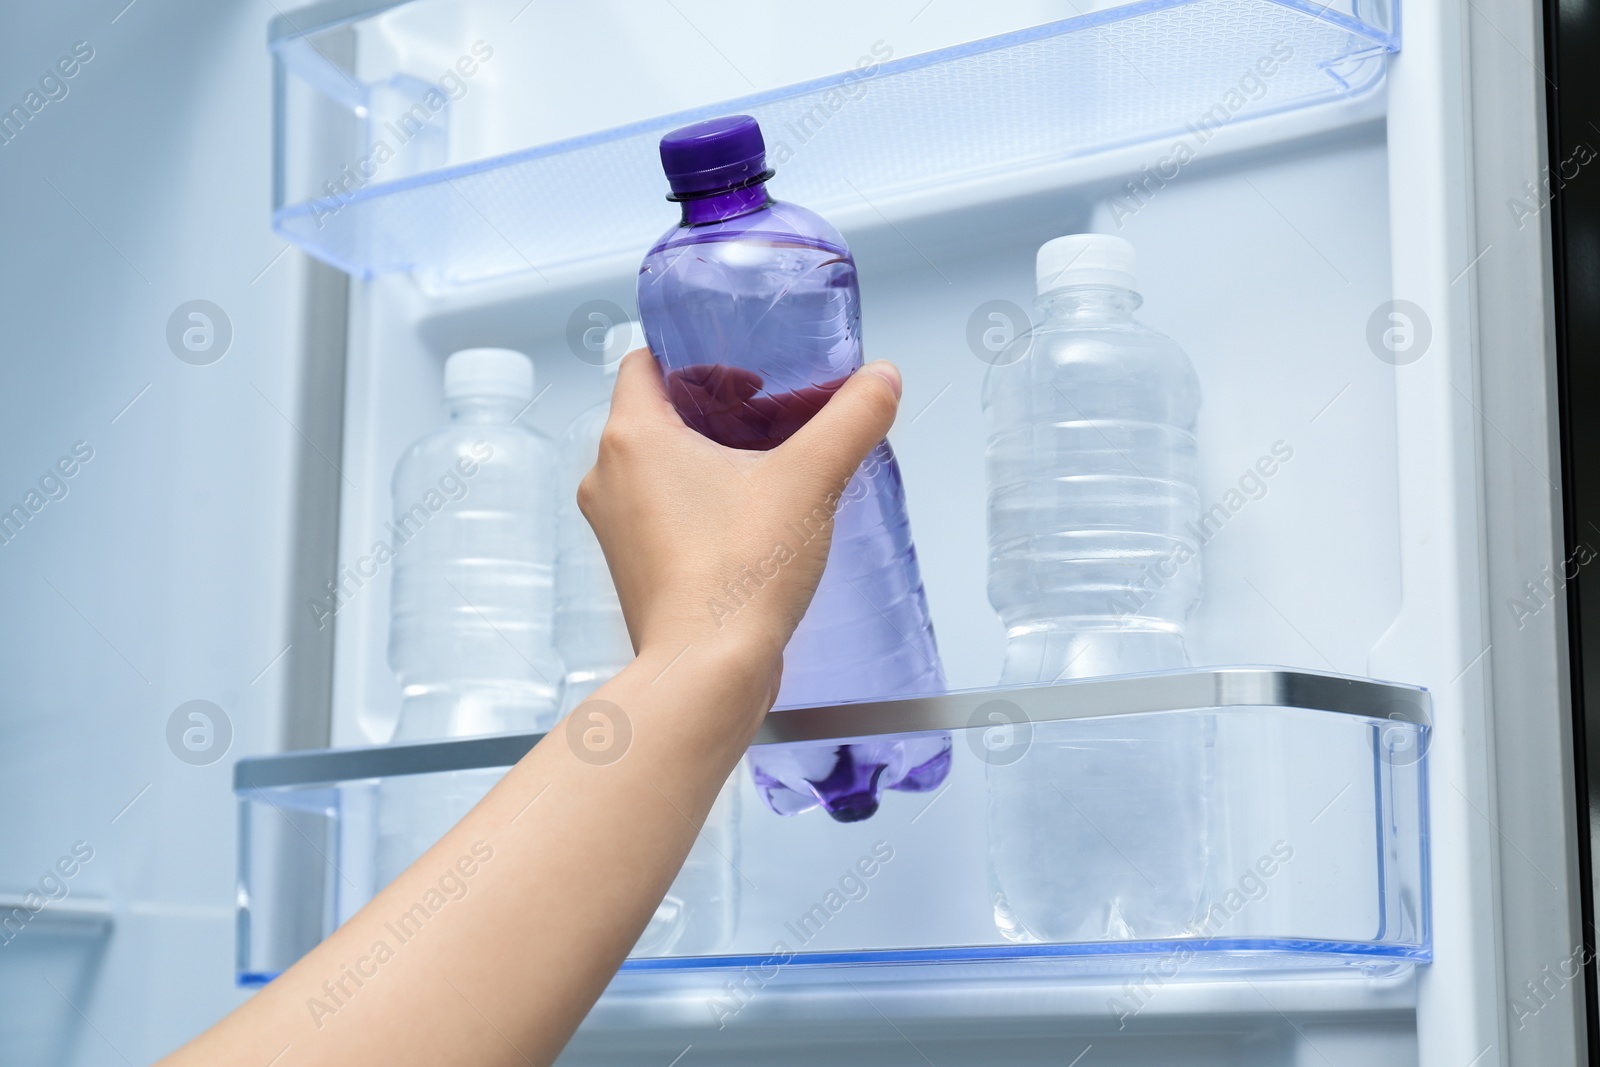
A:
361, 187
1312, 823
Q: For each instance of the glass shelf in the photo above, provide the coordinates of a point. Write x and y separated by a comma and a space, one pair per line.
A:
1304, 840
359, 185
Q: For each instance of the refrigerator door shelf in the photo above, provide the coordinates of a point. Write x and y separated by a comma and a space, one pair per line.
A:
1312, 833
389, 156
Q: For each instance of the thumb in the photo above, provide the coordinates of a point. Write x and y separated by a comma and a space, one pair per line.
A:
836, 440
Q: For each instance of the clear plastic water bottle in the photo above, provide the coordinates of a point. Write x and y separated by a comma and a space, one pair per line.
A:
470, 633
473, 540
751, 305
1099, 829
697, 915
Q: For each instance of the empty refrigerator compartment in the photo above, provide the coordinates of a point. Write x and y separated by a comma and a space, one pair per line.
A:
402, 144
1312, 838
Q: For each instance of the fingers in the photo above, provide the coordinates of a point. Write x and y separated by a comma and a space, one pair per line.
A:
716, 400
850, 425
712, 388
830, 446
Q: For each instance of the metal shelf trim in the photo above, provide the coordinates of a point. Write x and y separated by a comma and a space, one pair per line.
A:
1093, 698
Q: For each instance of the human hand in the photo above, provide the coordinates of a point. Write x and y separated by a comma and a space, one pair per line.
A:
701, 538
726, 404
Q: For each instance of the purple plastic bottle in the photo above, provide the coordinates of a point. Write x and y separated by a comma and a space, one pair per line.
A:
752, 308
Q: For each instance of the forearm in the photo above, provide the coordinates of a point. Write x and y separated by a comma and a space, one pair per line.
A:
570, 854
492, 947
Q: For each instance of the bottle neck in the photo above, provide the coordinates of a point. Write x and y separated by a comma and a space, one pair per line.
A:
484, 410
726, 205
1083, 302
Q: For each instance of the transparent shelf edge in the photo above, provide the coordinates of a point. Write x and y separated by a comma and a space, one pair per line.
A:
1225, 956
479, 218
1078, 951
1283, 750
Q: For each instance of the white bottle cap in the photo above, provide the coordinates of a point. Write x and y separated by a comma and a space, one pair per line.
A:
488, 372
621, 339
1086, 259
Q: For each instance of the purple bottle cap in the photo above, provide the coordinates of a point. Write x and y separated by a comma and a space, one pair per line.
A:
714, 156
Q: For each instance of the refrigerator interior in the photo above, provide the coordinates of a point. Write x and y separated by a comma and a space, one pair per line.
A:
1265, 258
1388, 546
1266, 267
